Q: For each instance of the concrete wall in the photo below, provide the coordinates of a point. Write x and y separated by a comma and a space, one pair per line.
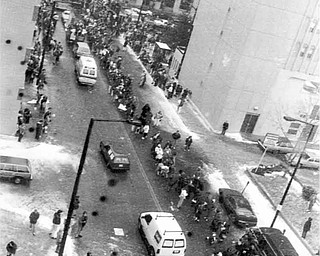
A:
238, 55
16, 26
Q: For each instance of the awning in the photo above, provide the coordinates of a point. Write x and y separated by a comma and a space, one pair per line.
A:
163, 46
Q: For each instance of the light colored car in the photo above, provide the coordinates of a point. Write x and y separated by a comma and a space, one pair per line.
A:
308, 160
66, 16
15, 169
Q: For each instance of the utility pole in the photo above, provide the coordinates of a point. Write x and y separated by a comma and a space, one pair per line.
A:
45, 41
77, 180
279, 207
137, 23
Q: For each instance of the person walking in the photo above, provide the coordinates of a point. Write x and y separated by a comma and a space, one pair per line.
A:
312, 201
182, 197
21, 132
188, 143
145, 129
27, 115
143, 79
157, 118
82, 221
11, 248
34, 216
55, 224
225, 127
159, 153
306, 227
180, 104
59, 239
176, 135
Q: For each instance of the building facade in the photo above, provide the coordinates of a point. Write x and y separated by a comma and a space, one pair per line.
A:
253, 62
16, 31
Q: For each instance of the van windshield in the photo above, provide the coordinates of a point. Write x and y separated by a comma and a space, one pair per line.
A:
179, 243
167, 243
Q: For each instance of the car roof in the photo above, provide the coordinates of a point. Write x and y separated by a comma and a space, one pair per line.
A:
165, 220
82, 44
228, 191
14, 160
276, 239
89, 61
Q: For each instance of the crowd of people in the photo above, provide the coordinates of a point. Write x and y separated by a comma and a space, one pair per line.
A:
98, 29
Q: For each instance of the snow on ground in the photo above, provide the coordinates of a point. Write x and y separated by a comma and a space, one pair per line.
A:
38, 153
20, 206
265, 212
214, 177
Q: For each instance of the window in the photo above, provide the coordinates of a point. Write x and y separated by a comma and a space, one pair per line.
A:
157, 236
9, 167
311, 51
85, 71
167, 243
303, 50
315, 112
22, 169
179, 243
92, 72
313, 25
293, 129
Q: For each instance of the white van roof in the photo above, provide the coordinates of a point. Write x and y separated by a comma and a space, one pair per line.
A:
166, 222
88, 61
82, 44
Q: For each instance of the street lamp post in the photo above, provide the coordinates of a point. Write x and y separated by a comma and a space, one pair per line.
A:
140, 11
279, 207
77, 180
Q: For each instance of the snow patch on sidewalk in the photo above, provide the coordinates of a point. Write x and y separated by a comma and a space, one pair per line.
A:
38, 153
265, 212
214, 177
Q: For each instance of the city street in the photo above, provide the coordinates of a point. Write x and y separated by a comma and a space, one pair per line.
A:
55, 162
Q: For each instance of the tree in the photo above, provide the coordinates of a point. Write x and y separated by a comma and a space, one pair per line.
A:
178, 34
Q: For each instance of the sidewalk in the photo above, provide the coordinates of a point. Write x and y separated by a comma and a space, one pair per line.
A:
191, 122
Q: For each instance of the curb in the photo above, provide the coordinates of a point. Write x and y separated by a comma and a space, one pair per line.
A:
266, 195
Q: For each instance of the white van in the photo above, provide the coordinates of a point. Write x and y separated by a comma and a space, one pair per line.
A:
81, 49
86, 70
162, 234
15, 169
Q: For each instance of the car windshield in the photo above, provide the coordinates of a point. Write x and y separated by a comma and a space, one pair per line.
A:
244, 212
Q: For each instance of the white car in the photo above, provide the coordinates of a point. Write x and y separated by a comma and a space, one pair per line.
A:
161, 22
307, 161
66, 16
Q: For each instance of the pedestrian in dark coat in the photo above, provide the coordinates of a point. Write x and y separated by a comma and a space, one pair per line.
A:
11, 248
188, 143
22, 129
27, 115
34, 216
225, 127
176, 135
55, 224
82, 221
306, 227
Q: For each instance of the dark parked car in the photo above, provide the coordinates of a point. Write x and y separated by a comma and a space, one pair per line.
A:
262, 242
238, 208
115, 161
